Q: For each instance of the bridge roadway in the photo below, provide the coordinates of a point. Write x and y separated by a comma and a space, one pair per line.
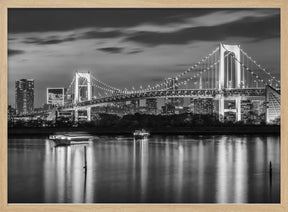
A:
212, 93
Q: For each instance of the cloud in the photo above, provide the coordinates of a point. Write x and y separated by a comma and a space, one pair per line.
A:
44, 20
48, 41
177, 26
99, 34
118, 50
135, 51
61, 37
249, 27
12, 52
112, 50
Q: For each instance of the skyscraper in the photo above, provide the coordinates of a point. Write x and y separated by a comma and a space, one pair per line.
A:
24, 96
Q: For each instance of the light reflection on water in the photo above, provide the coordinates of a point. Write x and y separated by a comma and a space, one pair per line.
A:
163, 169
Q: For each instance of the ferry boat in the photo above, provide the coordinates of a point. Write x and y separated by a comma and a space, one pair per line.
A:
141, 134
61, 140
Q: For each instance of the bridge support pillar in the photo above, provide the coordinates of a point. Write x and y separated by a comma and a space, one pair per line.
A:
76, 115
221, 109
238, 108
89, 114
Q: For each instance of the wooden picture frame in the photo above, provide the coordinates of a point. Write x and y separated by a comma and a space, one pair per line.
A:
5, 4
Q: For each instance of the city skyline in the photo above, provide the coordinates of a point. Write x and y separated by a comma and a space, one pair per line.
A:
144, 47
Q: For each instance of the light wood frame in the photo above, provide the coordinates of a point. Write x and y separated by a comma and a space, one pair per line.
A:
5, 4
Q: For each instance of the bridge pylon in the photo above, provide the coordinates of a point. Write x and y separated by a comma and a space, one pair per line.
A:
86, 78
226, 72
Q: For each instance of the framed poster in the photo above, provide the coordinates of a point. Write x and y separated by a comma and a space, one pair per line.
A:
143, 106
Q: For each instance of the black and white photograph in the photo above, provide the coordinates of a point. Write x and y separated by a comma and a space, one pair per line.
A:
144, 105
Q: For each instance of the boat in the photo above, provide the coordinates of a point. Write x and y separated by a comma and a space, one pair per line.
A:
63, 140
141, 134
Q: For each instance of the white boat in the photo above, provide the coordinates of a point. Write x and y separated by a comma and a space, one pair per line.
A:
141, 134
70, 139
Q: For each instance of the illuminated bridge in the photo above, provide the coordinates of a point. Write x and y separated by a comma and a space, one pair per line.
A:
226, 74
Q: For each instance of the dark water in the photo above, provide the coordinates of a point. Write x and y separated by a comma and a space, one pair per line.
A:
164, 169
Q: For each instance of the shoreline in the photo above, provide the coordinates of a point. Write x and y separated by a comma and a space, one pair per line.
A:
196, 130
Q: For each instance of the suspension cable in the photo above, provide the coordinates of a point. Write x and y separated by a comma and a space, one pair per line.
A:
259, 66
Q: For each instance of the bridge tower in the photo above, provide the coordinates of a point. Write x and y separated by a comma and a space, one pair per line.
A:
226, 71
235, 50
86, 78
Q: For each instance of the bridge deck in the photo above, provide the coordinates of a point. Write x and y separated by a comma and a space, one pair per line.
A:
212, 93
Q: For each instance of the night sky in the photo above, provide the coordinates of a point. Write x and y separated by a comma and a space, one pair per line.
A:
130, 47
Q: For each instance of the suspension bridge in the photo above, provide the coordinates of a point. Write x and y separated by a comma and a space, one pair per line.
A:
227, 73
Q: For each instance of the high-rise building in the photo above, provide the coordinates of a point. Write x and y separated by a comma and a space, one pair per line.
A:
24, 96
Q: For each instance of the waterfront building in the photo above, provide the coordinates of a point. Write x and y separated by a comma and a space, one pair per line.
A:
24, 98
258, 111
134, 106
246, 107
273, 106
173, 103
229, 116
262, 108
47, 106
151, 105
39, 110
11, 112
203, 106
181, 110
55, 96
255, 106
191, 106
168, 109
